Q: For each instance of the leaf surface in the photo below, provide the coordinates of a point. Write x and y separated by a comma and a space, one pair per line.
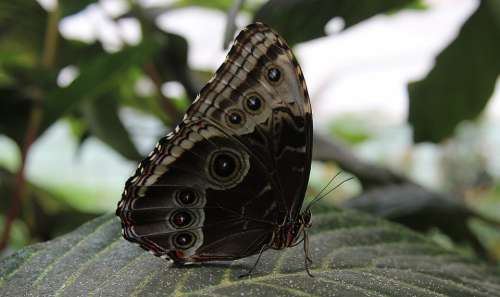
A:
354, 255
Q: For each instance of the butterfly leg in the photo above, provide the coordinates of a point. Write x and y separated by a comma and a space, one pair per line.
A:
307, 257
262, 249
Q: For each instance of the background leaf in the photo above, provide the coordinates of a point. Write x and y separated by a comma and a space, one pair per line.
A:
171, 62
461, 82
354, 255
96, 78
25, 32
421, 210
70, 7
104, 123
217, 4
14, 113
311, 16
42, 210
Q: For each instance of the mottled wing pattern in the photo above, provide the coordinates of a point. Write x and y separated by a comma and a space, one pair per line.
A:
280, 134
235, 168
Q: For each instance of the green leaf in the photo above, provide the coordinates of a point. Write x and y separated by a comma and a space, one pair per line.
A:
41, 211
310, 16
171, 62
224, 5
69, 7
350, 128
354, 255
102, 116
15, 110
495, 10
216, 4
74, 52
22, 22
462, 81
96, 78
19, 234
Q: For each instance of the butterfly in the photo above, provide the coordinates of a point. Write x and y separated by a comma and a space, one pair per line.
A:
230, 180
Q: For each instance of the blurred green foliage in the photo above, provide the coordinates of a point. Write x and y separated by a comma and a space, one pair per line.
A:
463, 79
350, 128
32, 55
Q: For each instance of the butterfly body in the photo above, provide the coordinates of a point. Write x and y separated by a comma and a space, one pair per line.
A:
229, 182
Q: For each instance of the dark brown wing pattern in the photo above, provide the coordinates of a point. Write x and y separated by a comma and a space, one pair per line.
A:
236, 168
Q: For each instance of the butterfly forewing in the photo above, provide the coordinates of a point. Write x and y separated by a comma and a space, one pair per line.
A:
236, 168
261, 67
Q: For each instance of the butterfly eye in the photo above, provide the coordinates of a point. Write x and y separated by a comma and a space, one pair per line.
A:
184, 240
273, 74
186, 197
181, 219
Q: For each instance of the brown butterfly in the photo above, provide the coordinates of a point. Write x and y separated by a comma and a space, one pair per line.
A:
230, 181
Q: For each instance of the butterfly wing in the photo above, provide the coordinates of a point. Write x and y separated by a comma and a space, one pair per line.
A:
261, 66
235, 168
184, 205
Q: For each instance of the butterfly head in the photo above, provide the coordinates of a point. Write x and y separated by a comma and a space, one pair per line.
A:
297, 229
301, 225
305, 218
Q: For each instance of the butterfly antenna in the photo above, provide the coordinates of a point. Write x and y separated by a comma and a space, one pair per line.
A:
328, 184
318, 198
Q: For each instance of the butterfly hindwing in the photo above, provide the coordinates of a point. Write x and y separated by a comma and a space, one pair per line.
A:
183, 208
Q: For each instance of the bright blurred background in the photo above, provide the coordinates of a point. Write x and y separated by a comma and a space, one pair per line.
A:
88, 87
